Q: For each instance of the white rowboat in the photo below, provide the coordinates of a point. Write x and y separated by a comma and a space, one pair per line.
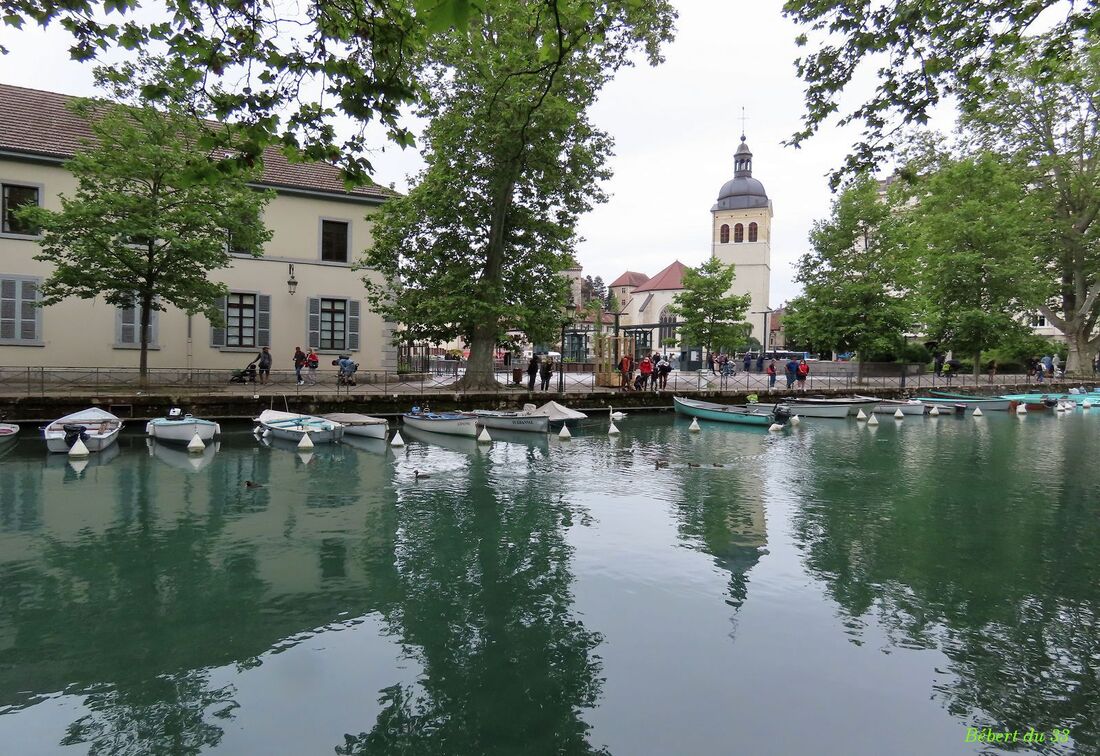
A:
356, 424
181, 428
532, 422
448, 423
291, 427
96, 427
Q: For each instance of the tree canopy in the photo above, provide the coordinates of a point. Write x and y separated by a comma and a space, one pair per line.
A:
709, 315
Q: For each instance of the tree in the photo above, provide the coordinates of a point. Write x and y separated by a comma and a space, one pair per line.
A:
599, 288
972, 240
1045, 114
709, 315
923, 51
152, 215
855, 281
479, 245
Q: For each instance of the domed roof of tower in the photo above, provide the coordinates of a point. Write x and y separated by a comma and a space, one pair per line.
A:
742, 191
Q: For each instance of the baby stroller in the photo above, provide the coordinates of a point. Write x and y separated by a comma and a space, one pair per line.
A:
248, 375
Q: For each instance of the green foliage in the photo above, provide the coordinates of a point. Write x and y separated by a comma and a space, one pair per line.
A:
711, 317
855, 280
920, 52
972, 237
479, 245
153, 213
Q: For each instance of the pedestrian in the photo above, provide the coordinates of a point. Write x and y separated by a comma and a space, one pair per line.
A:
532, 371
546, 371
803, 372
760, 362
748, 361
1096, 364
625, 368
1048, 365
299, 363
664, 367
1056, 365
1039, 370
713, 362
646, 371
792, 372
263, 362
937, 363
771, 375
992, 370
312, 361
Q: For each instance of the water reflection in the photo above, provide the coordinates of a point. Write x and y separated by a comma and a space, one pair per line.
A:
957, 548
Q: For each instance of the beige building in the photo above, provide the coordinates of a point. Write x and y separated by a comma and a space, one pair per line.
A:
301, 292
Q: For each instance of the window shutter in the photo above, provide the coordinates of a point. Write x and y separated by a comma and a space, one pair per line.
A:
263, 320
28, 327
353, 325
154, 328
127, 325
217, 333
8, 307
313, 323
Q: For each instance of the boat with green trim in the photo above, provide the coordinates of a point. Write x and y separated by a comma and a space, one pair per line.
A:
987, 403
731, 413
1050, 401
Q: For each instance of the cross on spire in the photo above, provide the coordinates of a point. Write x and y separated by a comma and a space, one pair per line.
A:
743, 119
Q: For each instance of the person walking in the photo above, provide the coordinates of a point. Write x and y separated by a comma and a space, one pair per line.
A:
546, 372
748, 361
263, 362
532, 371
760, 362
646, 369
803, 373
712, 361
299, 363
937, 364
771, 376
1056, 364
1096, 364
664, 367
625, 368
792, 372
312, 361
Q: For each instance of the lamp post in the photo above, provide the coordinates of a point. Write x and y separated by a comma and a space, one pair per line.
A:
291, 282
764, 341
570, 310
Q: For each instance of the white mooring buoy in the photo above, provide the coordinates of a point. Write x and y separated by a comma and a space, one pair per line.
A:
612, 430
872, 420
79, 450
694, 427
861, 415
1021, 409
305, 442
977, 412
564, 433
935, 411
796, 420
898, 414
775, 427
484, 437
78, 465
195, 445
397, 440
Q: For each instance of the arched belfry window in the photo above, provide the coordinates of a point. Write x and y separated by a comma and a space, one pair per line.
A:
738, 233
724, 234
752, 232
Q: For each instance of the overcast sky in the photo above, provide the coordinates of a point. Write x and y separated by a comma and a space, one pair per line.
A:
675, 129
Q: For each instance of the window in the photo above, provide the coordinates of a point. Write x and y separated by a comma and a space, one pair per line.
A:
247, 321
724, 234
752, 232
738, 233
20, 317
1038, 321
333, 324
15, 197
668, 327
128, 326
334, 241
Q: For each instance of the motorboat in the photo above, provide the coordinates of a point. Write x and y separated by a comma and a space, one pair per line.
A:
96, 427
853, 403
561, 415
891, 406
181, 428
8, 431
447, 423
987, 403
732, 413
356, 424
1050, 401
529, 419
809, 408
292, 427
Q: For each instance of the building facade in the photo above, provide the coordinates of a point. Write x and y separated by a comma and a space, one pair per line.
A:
302, 290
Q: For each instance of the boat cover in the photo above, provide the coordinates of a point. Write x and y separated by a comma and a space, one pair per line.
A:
559, 413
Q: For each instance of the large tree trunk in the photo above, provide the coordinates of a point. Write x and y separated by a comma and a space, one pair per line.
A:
480, 375
977, 367
146, 320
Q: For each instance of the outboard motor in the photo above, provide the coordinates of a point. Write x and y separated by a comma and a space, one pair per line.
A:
782, 414
74, 432
175, 414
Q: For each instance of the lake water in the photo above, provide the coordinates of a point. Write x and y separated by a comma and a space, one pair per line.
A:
833, 589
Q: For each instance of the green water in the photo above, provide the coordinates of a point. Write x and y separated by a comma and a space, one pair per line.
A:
837, 589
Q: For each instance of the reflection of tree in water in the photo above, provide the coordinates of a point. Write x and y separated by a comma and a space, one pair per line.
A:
486, 607
1007, 586
169, 714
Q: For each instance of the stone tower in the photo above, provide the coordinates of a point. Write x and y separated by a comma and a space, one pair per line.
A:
741, 234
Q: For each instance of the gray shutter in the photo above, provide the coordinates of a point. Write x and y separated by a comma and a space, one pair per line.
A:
8, 308
28, 315
154, 329
217, 333
263, 320
313, 323
127, 319
353, 325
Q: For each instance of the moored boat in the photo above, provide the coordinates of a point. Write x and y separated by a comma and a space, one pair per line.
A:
529, 420
853, 403
96, 427
811, 409
758, 414
907, 407
291, 427
448, 423
561, 415
356, 424
181, 428
8, 431
987, 403
1050, 401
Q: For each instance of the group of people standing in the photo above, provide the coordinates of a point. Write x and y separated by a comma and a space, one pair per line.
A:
542, 369
1048, 366
650, 372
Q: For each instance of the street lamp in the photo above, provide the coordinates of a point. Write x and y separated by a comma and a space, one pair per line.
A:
292, 282
570, 310
765, 312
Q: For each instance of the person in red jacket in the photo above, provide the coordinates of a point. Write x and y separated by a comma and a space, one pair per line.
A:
626, 367
803, 371
646, 369
771, 375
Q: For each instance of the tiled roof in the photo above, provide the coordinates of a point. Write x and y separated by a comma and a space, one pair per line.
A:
630, 278
39, 123
670, 278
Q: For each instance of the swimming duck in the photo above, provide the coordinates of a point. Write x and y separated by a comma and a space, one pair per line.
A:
694, 464
716, 464
420, 475
661, 463
253, 484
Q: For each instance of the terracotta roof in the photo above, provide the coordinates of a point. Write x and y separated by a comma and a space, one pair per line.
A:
668, 279
630, 278
34, 122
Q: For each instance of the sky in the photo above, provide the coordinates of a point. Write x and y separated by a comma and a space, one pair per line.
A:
675, 128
